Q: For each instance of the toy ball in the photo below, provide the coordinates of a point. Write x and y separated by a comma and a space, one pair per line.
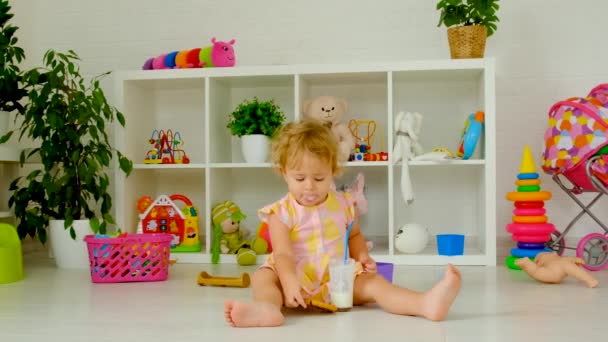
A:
412, 238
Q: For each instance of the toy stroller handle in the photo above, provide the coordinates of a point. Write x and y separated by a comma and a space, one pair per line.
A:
182, 198
578, 106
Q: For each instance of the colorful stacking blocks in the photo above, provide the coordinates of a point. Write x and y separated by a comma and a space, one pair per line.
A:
529, 227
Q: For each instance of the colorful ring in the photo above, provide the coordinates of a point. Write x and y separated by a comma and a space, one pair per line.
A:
527, 253
530, 219
531, 229
529, 196
525, 182
527, 176
530, 245
529, 204
531, 238
510, 262
528, 188
529, 211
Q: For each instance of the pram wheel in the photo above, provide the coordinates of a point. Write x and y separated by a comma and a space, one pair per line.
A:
556, 244
593, 249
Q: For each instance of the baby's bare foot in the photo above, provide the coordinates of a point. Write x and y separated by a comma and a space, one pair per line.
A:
240, 314
439, 299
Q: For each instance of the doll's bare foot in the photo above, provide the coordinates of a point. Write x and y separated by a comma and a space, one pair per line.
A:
592, 283
439, 299
258, 314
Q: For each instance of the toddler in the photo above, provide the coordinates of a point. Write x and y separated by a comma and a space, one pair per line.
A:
307, 228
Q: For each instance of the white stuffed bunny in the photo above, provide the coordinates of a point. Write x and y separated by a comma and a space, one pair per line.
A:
407, 129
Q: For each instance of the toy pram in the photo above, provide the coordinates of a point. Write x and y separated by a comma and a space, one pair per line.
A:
576, 149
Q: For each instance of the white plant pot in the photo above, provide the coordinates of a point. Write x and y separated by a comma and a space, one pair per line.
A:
69, 253
255, 148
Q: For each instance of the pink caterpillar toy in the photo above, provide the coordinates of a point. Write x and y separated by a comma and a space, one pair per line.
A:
220, 54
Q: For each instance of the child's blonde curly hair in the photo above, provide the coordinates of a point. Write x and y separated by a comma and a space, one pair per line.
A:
296, 138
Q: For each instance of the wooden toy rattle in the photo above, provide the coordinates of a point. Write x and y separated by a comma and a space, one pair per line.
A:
324, 307
206, 279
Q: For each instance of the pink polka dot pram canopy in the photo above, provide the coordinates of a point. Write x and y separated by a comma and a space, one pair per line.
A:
577, 131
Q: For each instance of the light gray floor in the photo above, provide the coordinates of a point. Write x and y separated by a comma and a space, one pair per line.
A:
495, 304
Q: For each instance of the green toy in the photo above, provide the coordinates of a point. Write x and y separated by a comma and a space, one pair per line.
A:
11, 261
228, 238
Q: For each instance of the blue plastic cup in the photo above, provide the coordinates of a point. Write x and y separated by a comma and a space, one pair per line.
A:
450, 244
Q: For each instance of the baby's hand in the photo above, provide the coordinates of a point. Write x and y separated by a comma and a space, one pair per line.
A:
293, 296
369, 265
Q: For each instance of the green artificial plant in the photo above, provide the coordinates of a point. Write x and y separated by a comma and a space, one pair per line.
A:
69, 120
469, 12
256, 117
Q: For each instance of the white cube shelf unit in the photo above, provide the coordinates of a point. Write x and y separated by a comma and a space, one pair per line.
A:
456, 196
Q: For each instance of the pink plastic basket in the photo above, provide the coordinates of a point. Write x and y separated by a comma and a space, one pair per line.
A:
136, 257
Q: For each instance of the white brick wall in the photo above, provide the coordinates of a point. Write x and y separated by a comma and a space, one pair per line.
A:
545, 50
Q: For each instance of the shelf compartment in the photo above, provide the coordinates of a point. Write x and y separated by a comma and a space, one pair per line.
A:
445, 98
156, 182
366, 95
374, 224
166, 104
226, 93
441, 214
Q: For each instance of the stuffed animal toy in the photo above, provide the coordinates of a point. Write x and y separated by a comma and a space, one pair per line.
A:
220, 54
355, 189
330, 111
407, 130
228, 238
549, 267
411, 238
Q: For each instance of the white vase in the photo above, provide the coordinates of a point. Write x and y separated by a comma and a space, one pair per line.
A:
255, 148
69, 253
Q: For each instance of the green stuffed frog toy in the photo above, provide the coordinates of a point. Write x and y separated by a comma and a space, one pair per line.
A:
228, 237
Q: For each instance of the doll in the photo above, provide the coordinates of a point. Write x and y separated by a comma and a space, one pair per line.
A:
549, 267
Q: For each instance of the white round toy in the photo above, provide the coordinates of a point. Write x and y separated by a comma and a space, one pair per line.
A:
411, 238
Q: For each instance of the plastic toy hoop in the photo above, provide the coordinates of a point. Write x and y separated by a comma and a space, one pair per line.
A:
470, 135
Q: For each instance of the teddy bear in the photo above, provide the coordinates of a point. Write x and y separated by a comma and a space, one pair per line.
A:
407, 130
229, 238
330, 110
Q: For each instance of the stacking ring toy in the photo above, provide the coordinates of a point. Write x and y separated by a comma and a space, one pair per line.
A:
526, 182
531, 229
529, 211
529, 204
510, 262
531, 238
529, 196
530, 219
527, 253
530, 245
527, 176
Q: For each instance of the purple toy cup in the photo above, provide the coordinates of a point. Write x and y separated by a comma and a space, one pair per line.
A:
385, 269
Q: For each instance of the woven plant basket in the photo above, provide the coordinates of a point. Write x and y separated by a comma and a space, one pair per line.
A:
467, 41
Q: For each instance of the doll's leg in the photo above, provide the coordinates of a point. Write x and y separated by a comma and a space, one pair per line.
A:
433, 304
580, 274
265, 310
542, 273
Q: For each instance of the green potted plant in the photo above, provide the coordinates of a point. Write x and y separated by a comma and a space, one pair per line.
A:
68, 119
255, 122
11, 89
469, 23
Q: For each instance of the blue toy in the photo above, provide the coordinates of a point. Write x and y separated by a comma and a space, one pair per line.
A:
470, 135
